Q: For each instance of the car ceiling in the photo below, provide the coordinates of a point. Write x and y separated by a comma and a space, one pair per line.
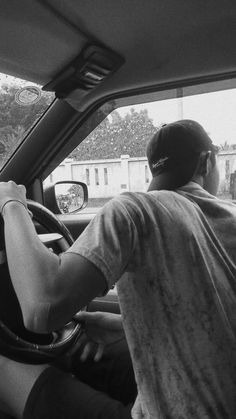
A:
161, 41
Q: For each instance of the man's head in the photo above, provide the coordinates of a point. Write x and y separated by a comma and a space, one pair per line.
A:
180, 152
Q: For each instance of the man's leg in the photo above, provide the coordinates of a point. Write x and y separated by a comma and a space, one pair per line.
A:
60, 395
112, 375
16, 383
42, 392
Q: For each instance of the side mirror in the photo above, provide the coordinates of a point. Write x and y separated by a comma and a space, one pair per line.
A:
66, 197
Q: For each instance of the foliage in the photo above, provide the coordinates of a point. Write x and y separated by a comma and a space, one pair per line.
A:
16, 120
117, 135
227, 147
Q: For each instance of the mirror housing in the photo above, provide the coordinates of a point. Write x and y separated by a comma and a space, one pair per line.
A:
66, 197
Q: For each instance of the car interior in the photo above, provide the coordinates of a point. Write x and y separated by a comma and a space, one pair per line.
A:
87, 60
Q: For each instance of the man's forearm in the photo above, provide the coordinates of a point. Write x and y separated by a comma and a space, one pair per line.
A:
32, 266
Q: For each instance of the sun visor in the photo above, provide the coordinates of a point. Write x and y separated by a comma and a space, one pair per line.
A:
91, 68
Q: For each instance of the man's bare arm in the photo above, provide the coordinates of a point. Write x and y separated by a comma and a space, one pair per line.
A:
50, 288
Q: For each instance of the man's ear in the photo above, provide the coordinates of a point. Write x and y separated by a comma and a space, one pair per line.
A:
204, 163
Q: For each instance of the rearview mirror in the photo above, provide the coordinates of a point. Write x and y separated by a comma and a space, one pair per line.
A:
66, 197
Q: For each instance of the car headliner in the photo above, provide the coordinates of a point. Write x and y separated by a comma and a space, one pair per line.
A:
162, 41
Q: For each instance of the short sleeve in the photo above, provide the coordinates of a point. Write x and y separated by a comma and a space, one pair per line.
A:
108, 241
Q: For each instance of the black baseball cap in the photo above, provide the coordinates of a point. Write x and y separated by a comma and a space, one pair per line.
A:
175, 143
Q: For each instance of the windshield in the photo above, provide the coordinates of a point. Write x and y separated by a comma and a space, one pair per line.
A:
22, 103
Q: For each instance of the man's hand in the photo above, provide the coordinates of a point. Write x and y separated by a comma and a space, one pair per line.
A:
10, 191
100, 330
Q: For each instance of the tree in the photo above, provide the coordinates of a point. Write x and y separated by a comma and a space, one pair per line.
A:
13, 114
16, 120
227, 147
117, 135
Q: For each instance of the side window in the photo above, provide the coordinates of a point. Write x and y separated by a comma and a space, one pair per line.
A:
112, 160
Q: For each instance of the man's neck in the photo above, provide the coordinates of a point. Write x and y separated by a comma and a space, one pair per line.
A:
167, 181
198, 180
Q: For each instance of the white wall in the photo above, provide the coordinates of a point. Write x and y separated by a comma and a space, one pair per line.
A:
125, 174
100, 184
227, 165
139, 175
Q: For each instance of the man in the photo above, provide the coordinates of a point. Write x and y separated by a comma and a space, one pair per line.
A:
172, 253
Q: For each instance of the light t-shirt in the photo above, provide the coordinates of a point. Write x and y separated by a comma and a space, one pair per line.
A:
173, 257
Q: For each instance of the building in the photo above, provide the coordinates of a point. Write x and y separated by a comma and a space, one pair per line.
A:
107, 178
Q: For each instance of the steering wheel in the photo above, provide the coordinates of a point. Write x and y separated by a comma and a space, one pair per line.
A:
16, 342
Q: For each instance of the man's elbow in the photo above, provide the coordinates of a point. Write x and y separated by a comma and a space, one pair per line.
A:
36, 317
39, 306
44, 317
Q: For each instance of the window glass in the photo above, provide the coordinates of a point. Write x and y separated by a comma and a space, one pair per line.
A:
21, 104
111, 159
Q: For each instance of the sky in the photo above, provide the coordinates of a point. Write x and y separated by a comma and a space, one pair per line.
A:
216, 112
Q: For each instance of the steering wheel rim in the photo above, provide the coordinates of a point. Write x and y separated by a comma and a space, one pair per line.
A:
57, 343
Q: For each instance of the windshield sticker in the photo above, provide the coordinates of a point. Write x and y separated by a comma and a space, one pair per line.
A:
28, 95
